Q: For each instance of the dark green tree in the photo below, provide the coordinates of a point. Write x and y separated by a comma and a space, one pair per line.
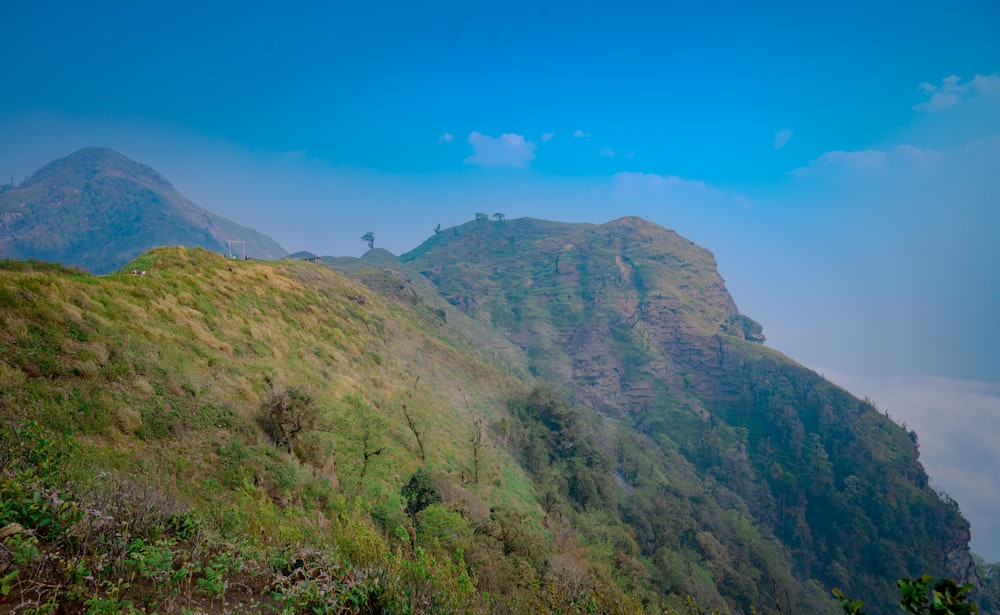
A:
369, 238
420, 492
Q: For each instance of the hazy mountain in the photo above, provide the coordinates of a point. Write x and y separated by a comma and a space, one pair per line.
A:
518, 416
96, 209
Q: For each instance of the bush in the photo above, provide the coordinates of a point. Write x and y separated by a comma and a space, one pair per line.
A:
420, 492
287, 414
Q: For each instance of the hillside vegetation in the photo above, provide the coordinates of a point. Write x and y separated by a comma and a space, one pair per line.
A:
634, 321
518, 416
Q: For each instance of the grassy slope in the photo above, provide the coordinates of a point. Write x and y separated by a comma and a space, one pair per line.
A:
167, 372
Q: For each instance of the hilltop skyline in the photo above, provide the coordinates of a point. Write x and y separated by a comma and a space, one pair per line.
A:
839, 161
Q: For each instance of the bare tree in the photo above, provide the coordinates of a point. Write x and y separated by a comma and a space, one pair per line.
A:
417, 433
478, 441
368, 451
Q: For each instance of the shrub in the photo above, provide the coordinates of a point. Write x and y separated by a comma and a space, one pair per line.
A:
287, 414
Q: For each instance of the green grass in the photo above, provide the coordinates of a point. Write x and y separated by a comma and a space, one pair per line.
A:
167, 373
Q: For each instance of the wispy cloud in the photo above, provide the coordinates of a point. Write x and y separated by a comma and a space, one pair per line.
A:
607, 152
579, 134
507, 150
867, 161
954, 90
630, 186
446, 138
781, 138
547, 136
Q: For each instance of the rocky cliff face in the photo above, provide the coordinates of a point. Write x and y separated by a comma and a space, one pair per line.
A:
625, 311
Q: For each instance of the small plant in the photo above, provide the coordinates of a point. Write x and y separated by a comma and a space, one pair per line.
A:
111, 601
6, 584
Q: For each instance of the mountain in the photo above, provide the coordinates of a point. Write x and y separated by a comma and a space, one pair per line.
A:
516, 417
96, 209
634, 321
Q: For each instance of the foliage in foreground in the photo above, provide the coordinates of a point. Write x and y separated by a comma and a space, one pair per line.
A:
922, 595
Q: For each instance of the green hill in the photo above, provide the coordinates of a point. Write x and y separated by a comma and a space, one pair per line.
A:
519, 416
97, 210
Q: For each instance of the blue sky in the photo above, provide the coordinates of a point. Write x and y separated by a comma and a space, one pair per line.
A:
842, 161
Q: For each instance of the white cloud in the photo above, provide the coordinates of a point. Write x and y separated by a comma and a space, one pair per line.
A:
607, 152
781, 138
953, 90
580, 134
507, 150
446, 138
547, 136
860, 159
987, 84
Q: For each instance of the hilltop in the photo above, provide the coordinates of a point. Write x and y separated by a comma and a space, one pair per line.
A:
97, 210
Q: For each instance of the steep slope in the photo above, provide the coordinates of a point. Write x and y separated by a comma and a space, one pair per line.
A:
268, 413
96, 209
635, 322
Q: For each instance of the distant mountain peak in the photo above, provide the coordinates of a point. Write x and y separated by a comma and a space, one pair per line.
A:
97, 209
88, 162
